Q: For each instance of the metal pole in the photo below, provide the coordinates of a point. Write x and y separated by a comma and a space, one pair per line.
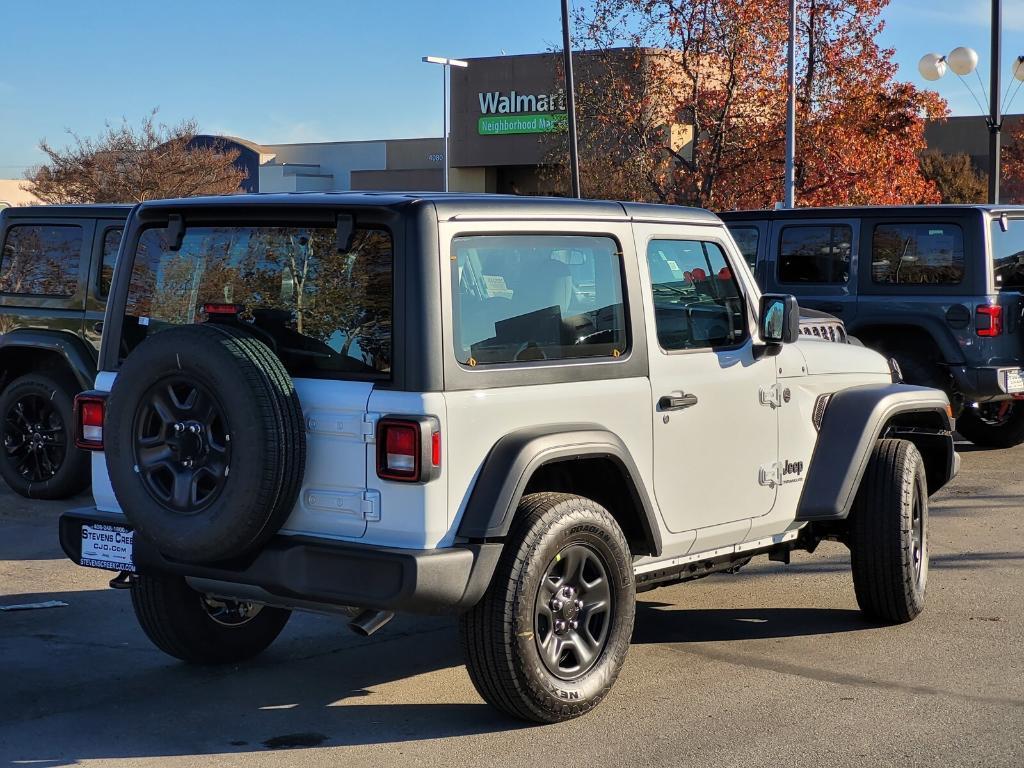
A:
444, 99
995, 121
790, 182
570, 101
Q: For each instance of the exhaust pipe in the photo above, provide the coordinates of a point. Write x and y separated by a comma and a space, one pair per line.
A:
369, 621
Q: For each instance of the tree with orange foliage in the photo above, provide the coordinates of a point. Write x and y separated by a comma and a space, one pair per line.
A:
1012, 190
719, 66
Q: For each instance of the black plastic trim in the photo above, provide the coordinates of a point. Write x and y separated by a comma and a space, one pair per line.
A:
515, 457
324, 571
853, 421
75, 352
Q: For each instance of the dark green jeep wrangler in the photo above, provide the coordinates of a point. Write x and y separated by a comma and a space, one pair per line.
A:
55, 269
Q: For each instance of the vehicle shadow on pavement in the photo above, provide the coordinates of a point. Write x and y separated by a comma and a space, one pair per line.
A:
664, 623
83, 682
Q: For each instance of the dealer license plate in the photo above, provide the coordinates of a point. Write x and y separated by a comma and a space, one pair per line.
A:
1014, 382
108, 546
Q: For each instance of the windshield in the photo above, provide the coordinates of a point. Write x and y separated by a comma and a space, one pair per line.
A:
1008, 253
322, 310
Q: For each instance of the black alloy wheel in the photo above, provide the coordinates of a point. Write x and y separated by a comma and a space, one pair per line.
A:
182, 445
572, 613
35, 438
39, 459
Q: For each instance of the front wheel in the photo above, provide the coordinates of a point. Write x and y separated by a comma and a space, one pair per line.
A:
201, 629
993, 425
549, 637
889, 534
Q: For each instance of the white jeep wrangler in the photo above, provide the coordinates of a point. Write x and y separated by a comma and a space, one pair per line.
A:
523, 411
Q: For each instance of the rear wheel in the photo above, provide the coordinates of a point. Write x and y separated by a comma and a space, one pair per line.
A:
993, 425
199, 629
549, 637
889, 534
40, 460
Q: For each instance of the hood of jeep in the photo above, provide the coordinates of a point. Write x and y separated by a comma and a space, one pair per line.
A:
825, 357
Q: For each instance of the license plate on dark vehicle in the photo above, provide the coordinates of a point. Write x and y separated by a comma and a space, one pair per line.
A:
108, 546
1014, 382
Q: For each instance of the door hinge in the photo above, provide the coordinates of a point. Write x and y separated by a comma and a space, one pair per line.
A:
362, 504
770, 475
771, 396
369, 427
370, 506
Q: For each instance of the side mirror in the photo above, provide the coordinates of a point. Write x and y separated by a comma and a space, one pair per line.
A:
779, 319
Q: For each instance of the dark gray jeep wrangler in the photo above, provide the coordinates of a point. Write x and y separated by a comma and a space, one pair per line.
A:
938, 288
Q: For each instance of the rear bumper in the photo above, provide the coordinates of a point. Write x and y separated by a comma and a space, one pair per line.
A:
984, 382
308, 570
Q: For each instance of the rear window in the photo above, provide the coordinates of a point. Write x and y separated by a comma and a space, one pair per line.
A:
927, 253
521, 298
815, 254
1008, 253
747, 239
323, 311
41, 260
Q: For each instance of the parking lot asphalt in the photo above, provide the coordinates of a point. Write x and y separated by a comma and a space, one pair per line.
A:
770, 667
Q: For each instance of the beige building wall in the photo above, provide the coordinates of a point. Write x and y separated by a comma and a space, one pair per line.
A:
11, 193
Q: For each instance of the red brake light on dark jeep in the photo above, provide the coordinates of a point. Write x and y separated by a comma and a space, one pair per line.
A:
989, 320
90, 409
408, 449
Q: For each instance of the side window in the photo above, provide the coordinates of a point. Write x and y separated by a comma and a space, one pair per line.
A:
697, 301
815, 254
111, 240
520, 298
917, 254
41, 260
747, 239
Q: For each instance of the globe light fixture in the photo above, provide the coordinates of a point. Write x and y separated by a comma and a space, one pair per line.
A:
932, 66
963, 61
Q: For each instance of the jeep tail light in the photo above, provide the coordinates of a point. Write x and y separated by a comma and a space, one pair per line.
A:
408, 449
90, 408
989, 320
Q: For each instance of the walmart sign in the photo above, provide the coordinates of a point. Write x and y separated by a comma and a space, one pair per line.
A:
512, 112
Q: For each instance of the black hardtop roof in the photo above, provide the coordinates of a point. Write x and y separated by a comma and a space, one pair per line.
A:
83, 211
868, 211
449, 205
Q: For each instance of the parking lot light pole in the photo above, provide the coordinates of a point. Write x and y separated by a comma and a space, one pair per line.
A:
570, 102
790, 184
963, 62
446, 65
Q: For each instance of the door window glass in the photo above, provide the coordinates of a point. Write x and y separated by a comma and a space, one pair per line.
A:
815, 254
41, 260
917, 254
697, 300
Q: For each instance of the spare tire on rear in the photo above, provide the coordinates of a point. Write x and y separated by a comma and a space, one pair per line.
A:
205, 442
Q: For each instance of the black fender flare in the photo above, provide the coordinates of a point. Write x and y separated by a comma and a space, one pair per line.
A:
511, 462
854, 420
78, 356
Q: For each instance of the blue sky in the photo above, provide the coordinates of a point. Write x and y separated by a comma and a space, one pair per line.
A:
317, 70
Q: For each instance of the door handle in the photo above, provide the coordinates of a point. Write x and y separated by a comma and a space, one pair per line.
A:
677, 401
